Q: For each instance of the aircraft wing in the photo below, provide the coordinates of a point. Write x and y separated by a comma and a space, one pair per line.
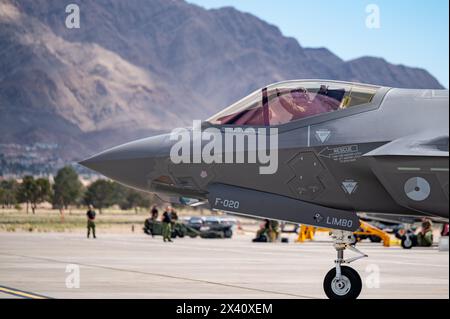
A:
430, 143
414, 170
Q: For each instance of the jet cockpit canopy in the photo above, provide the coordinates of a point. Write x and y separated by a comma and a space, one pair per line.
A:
290, 101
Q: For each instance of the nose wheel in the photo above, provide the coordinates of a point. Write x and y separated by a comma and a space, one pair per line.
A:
343, 282
347, 286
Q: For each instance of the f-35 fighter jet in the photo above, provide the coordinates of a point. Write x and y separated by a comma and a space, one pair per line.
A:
309, 151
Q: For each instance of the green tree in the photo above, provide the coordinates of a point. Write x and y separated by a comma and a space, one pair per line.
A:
67, 188
34, 191
2, 195
101, 194
25, 191
137, 199
120, 194
128, 198
41, 192
8, 193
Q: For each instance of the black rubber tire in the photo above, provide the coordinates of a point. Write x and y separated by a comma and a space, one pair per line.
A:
407, 243
228, 233
353, 277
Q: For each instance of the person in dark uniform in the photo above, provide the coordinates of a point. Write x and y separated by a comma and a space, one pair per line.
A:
90, 221
153, 219
167, 225
154, 213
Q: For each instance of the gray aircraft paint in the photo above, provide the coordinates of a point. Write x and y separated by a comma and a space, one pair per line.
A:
248, 202
370, 145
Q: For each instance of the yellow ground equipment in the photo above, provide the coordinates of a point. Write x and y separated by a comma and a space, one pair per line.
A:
368, 230
308, 232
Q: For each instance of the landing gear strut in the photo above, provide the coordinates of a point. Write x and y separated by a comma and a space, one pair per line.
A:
343, 282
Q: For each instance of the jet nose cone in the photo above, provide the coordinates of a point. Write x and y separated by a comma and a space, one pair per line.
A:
132, 163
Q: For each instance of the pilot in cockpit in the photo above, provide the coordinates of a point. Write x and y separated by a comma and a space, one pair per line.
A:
300, 103
291, 101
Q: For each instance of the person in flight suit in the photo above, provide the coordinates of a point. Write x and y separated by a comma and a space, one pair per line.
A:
173, 214
425, 236
90, 214
167, 225
154, 217
154, 213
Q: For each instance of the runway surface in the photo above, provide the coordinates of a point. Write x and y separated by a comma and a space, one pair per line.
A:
137, 266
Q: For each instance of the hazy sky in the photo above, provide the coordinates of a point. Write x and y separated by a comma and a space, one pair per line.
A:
413, 33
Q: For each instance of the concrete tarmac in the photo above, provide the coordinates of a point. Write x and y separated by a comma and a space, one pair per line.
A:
138, 266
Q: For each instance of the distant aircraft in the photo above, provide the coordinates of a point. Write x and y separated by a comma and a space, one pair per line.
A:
309, 151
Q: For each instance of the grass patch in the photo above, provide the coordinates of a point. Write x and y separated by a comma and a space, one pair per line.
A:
49, 220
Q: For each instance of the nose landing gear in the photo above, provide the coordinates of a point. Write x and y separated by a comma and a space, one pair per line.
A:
343, 282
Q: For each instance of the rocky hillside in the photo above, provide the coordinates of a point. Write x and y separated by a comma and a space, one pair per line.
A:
137, 67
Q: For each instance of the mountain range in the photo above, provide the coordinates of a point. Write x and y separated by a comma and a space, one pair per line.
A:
139, 67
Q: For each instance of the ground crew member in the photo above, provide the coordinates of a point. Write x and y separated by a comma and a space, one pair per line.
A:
150, 223
173, 214
173, 218
264, 230
425, 237
154, 213
167, 225
274, 230
90, 221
